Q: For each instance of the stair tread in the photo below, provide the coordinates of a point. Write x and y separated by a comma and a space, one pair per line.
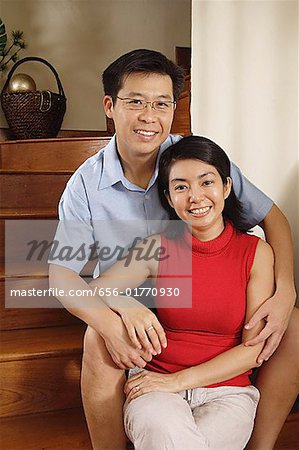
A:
41, 342
28, 213
56, 140
64, 429
35, 172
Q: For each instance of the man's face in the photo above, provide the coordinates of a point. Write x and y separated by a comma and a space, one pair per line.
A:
141, 132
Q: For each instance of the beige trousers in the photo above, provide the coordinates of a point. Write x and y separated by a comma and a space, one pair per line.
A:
219, 418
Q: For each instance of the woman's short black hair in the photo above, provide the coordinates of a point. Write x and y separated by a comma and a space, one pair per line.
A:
203, 149
143, 61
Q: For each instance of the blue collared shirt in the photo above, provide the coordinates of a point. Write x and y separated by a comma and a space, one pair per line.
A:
100, 205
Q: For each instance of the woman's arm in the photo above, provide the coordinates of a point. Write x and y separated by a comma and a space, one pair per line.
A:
229, 364
239, 359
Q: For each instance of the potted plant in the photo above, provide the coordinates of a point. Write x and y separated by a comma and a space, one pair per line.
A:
10, 47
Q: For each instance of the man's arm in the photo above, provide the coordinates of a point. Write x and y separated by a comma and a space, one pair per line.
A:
142, 324
95, 313
277, 310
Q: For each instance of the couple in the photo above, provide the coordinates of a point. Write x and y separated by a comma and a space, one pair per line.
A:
141, 88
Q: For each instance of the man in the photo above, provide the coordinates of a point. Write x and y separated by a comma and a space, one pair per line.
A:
141, 89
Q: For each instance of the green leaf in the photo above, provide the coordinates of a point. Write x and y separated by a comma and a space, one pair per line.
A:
22, 45
3, 67
3, 36
17, 35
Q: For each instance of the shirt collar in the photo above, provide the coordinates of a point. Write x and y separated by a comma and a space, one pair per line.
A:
111, 161
115, 172
168, 141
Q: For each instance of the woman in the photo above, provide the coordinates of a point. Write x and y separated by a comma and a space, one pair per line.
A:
196, 392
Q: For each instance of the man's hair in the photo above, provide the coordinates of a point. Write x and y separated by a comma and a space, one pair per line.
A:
202, 149
142, 61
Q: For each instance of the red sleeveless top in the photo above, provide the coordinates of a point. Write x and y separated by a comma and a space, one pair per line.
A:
212, 320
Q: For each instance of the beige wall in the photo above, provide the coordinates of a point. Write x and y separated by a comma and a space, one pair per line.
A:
245, 91
81, 37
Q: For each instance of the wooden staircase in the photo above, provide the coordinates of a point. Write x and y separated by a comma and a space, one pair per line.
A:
41, 348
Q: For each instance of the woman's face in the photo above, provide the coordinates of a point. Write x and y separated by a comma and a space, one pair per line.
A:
197, 194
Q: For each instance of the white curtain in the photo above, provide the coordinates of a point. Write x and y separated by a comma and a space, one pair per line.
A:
245, 92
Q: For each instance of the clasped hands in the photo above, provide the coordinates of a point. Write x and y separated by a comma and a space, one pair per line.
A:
136, 334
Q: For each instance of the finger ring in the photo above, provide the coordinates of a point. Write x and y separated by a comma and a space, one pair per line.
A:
137, 388
150, 328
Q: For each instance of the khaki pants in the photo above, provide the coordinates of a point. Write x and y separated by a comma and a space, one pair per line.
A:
219, 418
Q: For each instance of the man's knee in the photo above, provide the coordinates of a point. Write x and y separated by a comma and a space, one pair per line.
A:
293, 327
291, 337
96, 358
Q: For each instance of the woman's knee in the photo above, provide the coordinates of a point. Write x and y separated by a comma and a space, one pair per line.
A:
157, 413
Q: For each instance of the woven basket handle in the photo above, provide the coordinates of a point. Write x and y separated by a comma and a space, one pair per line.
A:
33, 58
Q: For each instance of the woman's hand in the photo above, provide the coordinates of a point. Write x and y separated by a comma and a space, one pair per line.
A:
142, 326
146, 381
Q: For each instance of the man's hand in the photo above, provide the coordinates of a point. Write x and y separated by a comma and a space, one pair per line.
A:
146, 381
142, 326
122, 351
276, 311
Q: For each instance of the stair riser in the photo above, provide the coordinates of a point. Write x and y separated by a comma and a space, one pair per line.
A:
60, 430
19, 318
26, 245
48, 155
26, 293
39, 385
32, 191
13, 290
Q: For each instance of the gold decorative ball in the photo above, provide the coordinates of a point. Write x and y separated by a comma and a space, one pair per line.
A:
21, 83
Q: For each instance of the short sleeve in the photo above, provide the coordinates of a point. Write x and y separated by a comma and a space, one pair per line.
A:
74, 238
255, 203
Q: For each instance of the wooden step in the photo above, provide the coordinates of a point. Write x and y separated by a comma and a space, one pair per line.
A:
49, 154
25, 246
19, 318
32, 190
22, 318
29, 213
59, 430
40, 369
40, 385
18, 345
30, 281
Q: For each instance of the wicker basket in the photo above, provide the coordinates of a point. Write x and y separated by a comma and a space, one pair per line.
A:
33, 114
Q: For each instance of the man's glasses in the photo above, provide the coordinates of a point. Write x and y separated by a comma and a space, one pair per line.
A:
137, 105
